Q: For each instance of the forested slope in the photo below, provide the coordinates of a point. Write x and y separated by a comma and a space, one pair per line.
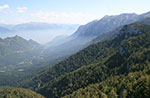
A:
8, 92
129, 52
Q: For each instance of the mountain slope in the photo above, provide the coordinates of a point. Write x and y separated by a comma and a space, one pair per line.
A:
18, 58
135, 84
96, 30
97, 62
7, 92
141, 19
16, 43
106, 24
5, 32
18, 46
135, 80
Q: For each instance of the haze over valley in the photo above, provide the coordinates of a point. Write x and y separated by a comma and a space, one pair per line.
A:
59, 49
40, 32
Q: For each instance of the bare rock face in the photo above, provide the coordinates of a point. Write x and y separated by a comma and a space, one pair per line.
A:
122, 51
130, 30
128, 65
39, 85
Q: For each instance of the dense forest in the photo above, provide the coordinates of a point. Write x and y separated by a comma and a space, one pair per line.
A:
135, 84
108, 68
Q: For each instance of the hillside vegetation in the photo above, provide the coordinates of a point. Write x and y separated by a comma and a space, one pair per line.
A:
101, 63
7, 92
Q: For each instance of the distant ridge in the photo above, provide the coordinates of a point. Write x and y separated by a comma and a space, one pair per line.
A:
85, 34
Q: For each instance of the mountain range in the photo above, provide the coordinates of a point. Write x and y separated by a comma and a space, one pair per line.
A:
92, 32
120, 57
38, 31
106, 58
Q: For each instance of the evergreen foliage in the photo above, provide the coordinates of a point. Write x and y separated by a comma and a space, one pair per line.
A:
115, 67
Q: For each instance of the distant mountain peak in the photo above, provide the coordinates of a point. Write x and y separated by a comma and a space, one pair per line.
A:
123, 14
128, 14
16, 37
105, 24
106, 16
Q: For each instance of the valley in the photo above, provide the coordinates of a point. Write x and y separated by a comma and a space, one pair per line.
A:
104, 58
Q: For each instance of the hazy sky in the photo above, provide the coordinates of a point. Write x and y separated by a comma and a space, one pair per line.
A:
66, 11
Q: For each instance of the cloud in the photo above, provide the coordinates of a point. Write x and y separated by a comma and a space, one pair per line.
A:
21, 9
4, 7
71, 18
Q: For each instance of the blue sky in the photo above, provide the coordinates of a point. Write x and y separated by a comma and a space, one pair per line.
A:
66, 11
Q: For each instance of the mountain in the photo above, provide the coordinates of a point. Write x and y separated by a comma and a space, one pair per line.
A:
57, 41
145, 15
123, 57
8, 92
42, 26
85, 34
100, 27
106, 35
14, 50
106, 24
142, 19
34, 43
19, 59
110, 67
4, 30
38, 31
44, 32
15, 44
